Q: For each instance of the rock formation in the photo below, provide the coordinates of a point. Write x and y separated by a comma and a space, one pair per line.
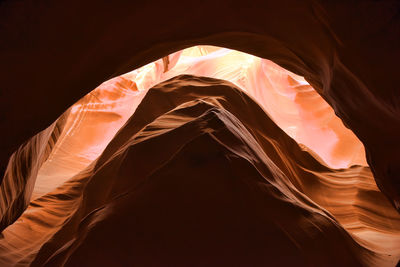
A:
211, 140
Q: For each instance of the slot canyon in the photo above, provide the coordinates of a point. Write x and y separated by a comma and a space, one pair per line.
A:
214, 133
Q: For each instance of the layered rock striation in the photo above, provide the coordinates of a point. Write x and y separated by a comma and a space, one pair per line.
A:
201, 175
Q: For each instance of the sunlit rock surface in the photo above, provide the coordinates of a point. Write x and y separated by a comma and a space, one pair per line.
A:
289, 100
198, 175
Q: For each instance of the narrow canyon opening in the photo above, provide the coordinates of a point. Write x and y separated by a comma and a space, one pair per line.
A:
127, 139
335, 182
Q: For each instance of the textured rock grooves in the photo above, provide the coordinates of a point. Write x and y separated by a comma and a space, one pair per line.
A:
201, 176
21, 173
347, 50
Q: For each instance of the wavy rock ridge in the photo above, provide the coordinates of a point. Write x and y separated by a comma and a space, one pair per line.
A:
200, 175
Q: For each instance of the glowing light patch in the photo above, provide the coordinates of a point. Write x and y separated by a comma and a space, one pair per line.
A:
287, 98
